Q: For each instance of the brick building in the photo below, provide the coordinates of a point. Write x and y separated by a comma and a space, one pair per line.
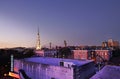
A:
96, 55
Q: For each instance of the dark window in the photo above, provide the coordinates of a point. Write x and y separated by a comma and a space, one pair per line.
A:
61, 63
68, 65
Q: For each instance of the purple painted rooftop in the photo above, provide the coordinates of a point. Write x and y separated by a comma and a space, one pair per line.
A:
56, 61
108, 72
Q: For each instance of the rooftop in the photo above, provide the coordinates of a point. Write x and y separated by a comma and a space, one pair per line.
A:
56, 61
108, 72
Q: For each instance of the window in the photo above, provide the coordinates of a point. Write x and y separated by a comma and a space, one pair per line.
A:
105, 53
68, 66
61, 63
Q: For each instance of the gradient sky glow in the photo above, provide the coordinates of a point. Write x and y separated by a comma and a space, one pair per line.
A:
80, 22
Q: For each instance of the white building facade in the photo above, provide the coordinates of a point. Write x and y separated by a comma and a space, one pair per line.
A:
54, 68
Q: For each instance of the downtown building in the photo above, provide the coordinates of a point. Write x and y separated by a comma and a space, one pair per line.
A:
46, 53
96, 55
55, 68
110, 44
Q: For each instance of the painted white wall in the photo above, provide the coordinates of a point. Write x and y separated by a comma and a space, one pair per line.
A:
43, 71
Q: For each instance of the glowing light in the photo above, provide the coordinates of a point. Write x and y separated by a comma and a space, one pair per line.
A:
5, 74
15, 69
14, 75
38, 41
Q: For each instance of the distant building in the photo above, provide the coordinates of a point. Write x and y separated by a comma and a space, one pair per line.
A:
55, 68
96, 55
110, 43
50, 53
104, 55
80, 54
108, 72
40, 53
105, 44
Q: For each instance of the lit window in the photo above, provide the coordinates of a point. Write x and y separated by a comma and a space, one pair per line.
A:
105, 53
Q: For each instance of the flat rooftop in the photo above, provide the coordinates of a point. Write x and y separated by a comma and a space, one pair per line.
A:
108, 72
56, 61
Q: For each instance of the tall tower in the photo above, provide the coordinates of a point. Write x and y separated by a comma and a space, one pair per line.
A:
65, 43
38, 45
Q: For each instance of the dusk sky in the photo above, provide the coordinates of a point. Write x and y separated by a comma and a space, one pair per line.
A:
79, 22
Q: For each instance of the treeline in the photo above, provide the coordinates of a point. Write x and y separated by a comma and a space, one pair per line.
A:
5, 58
6, 53
116, 52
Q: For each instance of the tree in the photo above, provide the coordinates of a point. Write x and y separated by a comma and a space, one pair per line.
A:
65, 52
29, 52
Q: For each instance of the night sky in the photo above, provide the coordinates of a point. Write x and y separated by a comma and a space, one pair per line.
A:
79, 22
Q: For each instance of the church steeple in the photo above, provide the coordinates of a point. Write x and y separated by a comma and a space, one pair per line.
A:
38, 46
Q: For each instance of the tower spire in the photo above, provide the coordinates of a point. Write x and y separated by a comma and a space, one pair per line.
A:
38, 46
38, 31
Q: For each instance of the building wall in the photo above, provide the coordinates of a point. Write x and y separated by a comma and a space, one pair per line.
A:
104, 44
50, 53
108, 72
112, 43
39, 53
105, 54
84, 72
96, 55
43, 71
80, 54
42, 53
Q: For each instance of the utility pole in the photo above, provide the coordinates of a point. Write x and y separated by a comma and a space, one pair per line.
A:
65, 43
50, 45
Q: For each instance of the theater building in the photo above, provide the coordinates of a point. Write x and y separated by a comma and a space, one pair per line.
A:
55, 68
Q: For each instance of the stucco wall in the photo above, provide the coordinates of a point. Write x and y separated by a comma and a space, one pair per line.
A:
43, 71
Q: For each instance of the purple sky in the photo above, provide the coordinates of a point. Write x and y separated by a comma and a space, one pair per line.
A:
79, 22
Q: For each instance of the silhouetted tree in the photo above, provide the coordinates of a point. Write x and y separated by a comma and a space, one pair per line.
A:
29, 52
65, 52
116, 53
